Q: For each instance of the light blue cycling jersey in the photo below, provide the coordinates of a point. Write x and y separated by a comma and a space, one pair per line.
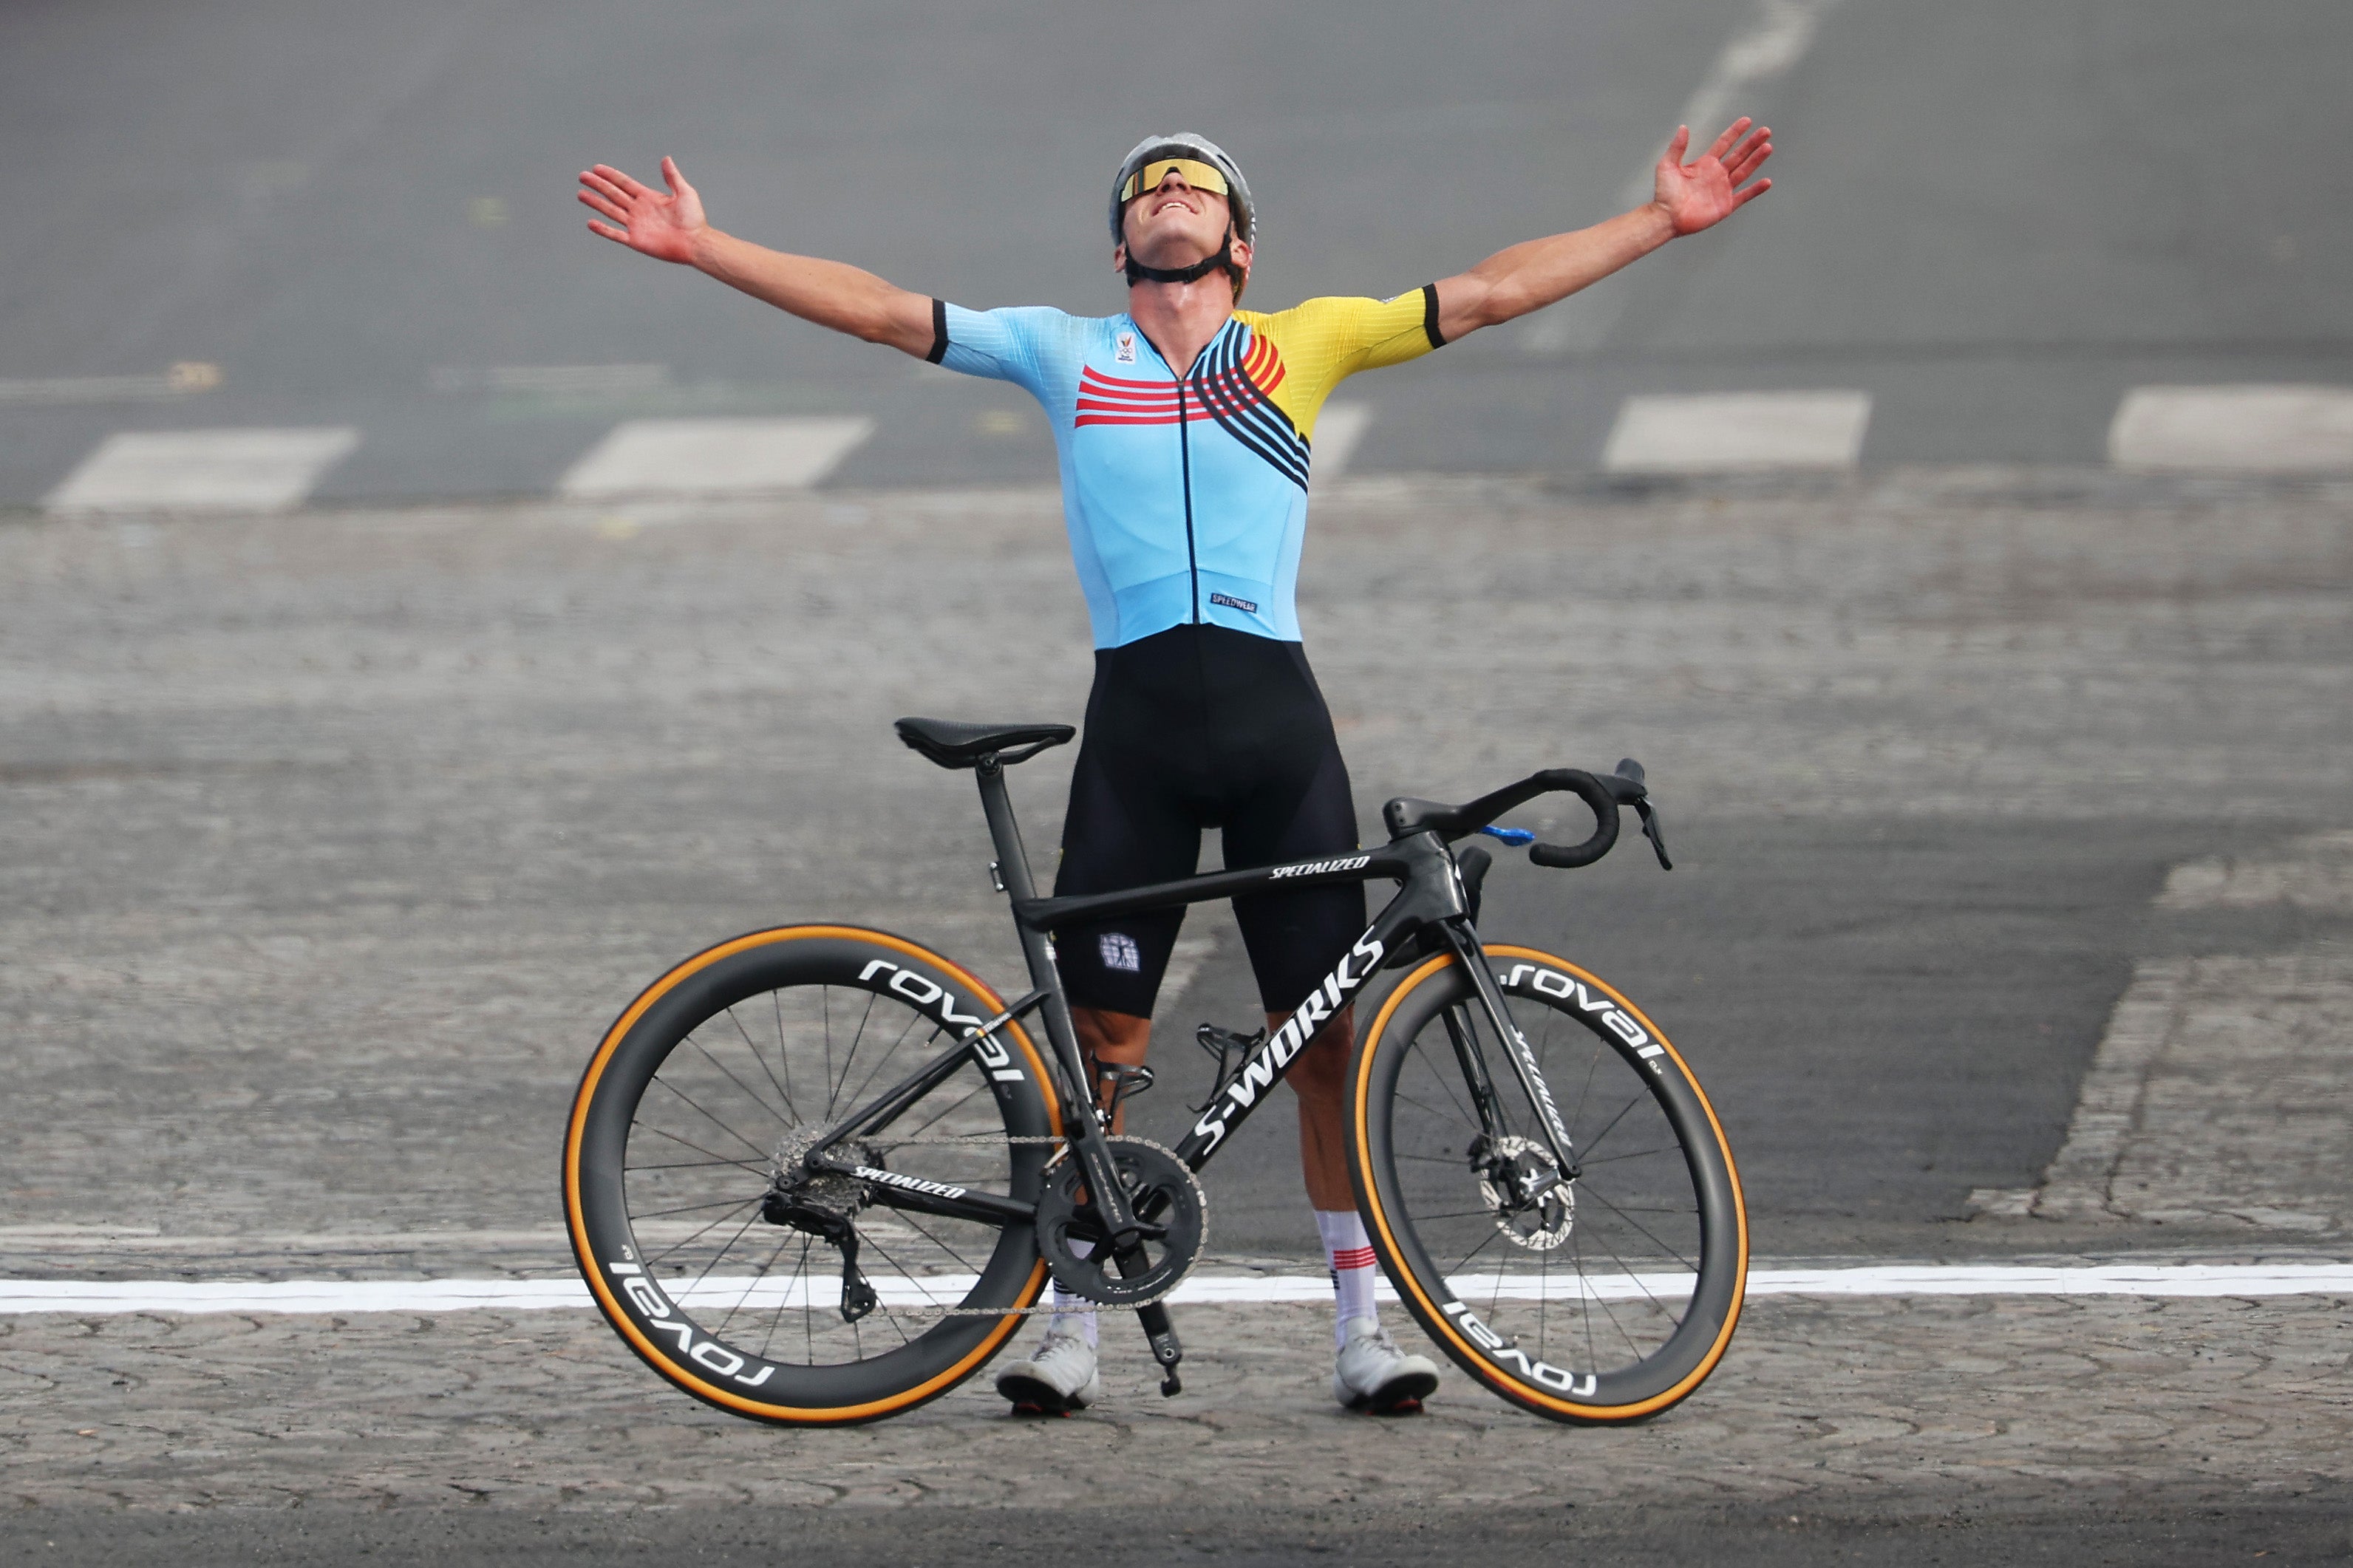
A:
1185, 498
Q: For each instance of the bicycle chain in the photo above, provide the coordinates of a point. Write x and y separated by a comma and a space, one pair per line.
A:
919, 1314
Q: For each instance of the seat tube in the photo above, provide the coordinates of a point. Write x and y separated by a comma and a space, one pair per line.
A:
1037, 950
1037, 947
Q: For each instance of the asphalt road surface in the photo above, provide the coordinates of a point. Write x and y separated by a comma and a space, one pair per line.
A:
1991, 219
2012, 917
333, 841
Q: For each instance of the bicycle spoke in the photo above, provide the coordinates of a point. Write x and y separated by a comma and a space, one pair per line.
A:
717, 1158
698, 1235
739, 1083
763, 1061
1638, 1225
712, 1120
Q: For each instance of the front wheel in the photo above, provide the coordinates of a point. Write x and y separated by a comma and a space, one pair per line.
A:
1601, 1293
714, 1252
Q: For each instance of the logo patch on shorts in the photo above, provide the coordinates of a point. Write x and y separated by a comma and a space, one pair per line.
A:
1244, 606
1120, 952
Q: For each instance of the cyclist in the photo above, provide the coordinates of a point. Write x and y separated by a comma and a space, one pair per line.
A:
1185, 429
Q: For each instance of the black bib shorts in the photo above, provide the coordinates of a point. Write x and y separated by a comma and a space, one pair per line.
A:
1202, 726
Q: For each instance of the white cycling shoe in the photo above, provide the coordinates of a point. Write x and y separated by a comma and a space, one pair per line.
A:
1371, 1373
1059, 1377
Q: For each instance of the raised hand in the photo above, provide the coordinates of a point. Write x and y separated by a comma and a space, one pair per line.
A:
665, 227
1703, 193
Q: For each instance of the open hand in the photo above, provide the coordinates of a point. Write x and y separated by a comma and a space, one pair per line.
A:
1703, 193
665, 227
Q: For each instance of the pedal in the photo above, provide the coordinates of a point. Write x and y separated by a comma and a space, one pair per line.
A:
1229, 1050
1166, 1349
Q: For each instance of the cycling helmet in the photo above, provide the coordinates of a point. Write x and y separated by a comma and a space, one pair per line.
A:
1202, 150
1199, 150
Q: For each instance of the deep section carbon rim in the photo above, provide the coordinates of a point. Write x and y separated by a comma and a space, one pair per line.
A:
745, 1280
1602, 1291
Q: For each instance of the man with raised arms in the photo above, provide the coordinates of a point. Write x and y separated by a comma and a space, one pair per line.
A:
1185, 428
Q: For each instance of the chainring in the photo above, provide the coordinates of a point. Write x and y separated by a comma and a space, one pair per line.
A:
1161, 1190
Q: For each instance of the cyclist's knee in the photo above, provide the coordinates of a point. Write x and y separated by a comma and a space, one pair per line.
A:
1322, 1066
1107, 1036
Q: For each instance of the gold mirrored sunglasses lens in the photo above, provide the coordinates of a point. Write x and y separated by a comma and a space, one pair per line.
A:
1199, 175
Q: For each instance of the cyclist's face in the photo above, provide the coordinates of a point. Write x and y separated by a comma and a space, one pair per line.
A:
1176, 225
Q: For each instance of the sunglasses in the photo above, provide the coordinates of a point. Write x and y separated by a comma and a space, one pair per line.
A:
1199, 175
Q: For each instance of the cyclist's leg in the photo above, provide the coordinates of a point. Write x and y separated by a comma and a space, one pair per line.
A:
1126, 826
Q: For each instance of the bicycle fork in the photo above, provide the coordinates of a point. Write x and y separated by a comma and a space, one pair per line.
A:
1490, 997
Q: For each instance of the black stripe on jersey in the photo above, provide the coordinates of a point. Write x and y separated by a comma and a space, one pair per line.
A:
1243, 411
939, 331
1429, 315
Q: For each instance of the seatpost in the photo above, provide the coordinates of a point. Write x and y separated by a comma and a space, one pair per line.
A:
1037, 951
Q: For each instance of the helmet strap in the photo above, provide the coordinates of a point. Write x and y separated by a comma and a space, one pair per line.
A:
1137, 273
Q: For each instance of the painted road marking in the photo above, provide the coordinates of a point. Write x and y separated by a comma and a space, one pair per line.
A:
1740, 432
1776, 38
87, 1296
2234, 429
713, 457
202, 471
1337, 430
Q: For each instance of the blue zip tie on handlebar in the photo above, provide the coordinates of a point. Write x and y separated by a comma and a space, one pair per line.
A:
1514, 836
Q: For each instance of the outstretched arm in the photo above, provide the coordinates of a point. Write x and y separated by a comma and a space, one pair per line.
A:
670, 228
1690, 197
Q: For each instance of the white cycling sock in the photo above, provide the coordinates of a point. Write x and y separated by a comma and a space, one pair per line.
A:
1068, 1319
1350, 1253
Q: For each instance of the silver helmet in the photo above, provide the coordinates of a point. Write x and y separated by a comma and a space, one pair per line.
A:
1200, 149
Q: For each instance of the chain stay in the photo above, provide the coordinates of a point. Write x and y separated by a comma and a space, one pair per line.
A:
931, 1315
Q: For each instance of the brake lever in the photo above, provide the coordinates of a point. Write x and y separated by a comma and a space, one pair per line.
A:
1650, 831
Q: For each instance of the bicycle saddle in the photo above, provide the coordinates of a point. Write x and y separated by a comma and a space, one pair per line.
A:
958, 744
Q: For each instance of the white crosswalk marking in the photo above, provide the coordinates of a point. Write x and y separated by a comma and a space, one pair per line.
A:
713, 457
2234, 429
1741, 432
1339, 428
202, 471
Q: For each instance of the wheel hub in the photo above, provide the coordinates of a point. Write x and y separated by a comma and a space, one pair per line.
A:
1521, 1183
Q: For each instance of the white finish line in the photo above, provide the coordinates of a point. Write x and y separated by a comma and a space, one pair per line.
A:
342, 1296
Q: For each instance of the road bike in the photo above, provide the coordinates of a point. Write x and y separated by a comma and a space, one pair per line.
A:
814, 1135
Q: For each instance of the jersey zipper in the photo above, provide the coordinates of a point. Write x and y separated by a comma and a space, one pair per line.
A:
1185, 460
1185, 465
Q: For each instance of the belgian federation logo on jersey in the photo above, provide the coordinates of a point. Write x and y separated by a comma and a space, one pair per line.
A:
1124, 352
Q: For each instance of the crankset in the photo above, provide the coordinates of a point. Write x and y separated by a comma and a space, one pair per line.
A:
1165, 1197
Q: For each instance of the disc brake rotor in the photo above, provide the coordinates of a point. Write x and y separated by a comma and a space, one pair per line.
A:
1161, 1190
1539, 1224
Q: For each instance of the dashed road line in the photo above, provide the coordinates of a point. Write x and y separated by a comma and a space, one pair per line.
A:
2234, 429
202, 470
1741, 432
19, 1297
713, 456
1776, 38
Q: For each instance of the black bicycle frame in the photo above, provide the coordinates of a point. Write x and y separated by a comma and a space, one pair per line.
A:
1430, 896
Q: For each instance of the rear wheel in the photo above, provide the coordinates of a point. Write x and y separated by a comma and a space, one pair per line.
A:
1605, 1292
705, 1243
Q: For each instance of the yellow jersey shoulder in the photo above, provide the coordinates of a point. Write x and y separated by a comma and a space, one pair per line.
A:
1311, 348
